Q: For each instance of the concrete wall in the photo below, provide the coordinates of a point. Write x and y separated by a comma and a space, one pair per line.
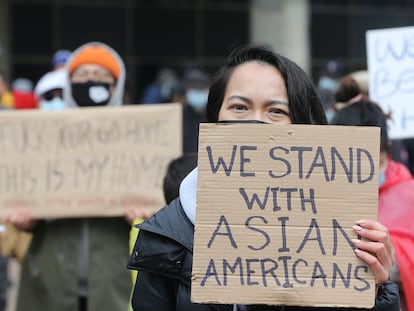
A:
284, 25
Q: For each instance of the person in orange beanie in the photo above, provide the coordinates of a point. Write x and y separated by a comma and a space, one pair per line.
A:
96, 76
78, 264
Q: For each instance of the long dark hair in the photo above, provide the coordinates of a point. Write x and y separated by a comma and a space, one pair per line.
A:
305, 106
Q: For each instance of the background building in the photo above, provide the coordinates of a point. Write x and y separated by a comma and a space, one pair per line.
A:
150, 34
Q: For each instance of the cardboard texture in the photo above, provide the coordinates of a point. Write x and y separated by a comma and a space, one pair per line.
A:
89, 161
391, 69
275, 209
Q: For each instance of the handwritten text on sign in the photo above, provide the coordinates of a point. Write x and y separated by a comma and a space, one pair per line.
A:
391, 76
275, 210
90, 162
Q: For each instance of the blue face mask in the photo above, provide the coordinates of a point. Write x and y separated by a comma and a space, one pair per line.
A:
382, 176
326, 83
56, 103
197, 99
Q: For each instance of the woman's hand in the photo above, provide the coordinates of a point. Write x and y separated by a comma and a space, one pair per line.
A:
133, 212
375, 248
21, 218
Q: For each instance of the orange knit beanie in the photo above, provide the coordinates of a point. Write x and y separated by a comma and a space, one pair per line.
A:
95, 54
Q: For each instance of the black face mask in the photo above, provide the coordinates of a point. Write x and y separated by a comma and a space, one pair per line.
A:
91, 93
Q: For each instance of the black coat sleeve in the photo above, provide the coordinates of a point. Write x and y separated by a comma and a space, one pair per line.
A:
164, 275
388, 298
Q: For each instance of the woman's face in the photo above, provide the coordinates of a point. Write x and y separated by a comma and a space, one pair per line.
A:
256, 91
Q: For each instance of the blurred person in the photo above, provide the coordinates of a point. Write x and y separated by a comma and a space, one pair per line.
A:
399, 149
396, 196
347, 93
6, 102
4, 282
49, 90
160, 91
79, 263
255, 84
196, 86
23, 95
360, 87
178, 93
6, 97
408, 144
176, 171
4, 275
59, 59
362, 78
327, 84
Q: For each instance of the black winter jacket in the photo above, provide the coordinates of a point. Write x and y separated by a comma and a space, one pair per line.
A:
163, 254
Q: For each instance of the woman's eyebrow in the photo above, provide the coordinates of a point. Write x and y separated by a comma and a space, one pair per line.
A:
242, 98
247, 100
278, 102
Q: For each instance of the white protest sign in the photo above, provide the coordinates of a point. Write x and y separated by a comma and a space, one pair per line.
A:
88, 161
275, 210
390, 55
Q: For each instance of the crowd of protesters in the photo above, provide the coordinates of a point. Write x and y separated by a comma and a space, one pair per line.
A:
80, 263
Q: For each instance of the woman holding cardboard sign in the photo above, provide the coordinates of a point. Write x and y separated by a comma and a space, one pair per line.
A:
255, 84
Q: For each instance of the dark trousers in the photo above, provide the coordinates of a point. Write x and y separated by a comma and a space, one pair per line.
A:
83, 303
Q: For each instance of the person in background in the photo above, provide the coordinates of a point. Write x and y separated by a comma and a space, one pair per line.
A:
254, 84
4, 282
160, 91
60, 58
362, 78
6, 102
178, 93
396, 196
196, 85
49, 90
408, 144
176, 171
358, 83
327, 84
24, 98
6, 97
78, 264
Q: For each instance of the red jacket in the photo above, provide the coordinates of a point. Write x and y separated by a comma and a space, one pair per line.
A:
396, 211
24, 100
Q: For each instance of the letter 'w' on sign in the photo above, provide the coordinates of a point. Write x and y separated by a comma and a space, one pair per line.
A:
391, 76
275, 211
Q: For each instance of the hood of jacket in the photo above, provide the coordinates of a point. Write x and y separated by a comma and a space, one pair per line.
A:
118, 94
395, 173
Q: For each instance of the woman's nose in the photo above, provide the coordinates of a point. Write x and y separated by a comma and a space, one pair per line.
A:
259, 116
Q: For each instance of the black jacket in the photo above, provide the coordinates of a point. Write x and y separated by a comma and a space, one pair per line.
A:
163, 254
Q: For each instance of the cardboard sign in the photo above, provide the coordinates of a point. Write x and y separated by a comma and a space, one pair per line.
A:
275, 209
391, 76
89, 161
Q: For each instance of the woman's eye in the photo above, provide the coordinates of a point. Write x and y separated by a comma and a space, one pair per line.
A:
278, 111
239, 107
